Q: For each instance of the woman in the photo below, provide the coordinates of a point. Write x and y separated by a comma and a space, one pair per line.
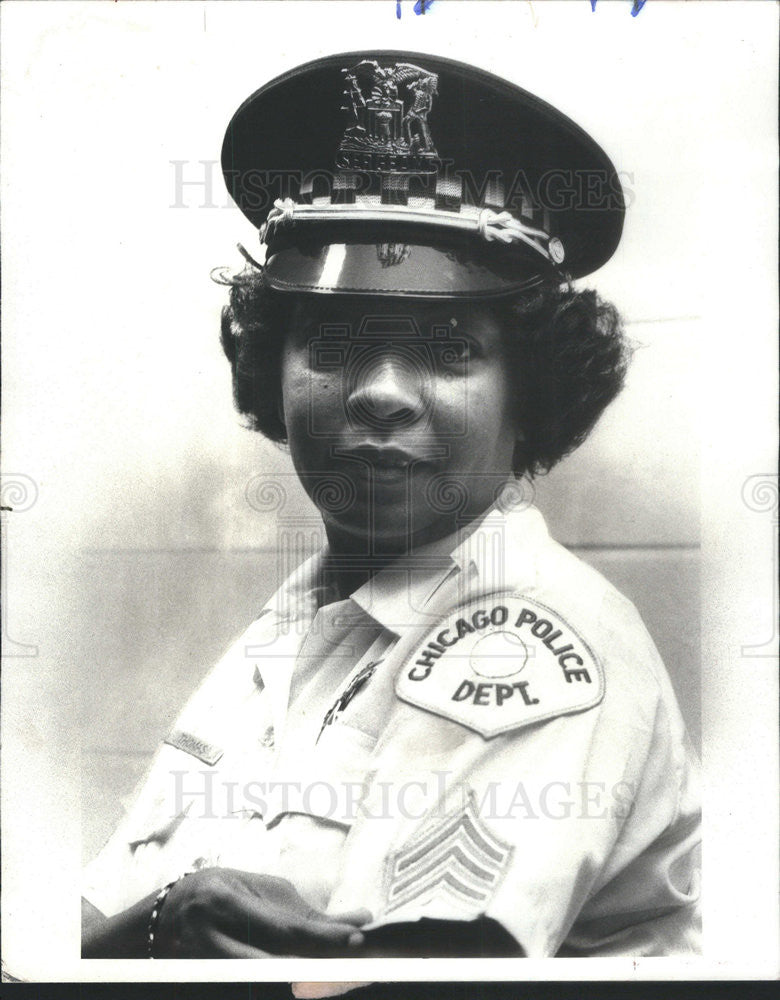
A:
444, 734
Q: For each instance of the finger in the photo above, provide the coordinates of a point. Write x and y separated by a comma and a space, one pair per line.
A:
316, 938
357, 917
225, 946
327, 930
286, 933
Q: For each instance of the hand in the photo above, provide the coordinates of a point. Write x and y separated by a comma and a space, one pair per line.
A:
224, 913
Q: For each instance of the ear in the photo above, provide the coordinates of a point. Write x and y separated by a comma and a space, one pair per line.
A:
520, 436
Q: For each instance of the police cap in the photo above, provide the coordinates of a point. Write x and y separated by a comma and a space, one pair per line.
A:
399, 173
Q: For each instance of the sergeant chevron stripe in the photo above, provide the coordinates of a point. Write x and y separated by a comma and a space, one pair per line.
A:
457, 859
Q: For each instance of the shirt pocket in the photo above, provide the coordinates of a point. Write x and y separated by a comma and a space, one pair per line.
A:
326, 781
313, 802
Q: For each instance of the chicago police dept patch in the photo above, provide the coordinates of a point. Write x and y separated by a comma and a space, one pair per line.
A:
499, 663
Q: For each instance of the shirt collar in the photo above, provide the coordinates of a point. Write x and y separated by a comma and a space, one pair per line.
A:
399, 594
499, 554
494, 553
491, 554
304, 592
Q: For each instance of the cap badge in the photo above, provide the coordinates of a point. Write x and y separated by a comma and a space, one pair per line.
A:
388, 109
390, 254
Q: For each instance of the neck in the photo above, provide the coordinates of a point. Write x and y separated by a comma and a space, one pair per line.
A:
355, 558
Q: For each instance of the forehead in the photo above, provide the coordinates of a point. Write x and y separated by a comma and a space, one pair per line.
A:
357, 311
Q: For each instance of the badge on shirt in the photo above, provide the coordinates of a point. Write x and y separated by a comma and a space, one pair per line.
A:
500, 663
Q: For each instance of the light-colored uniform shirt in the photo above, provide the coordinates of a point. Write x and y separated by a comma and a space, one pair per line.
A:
484, 728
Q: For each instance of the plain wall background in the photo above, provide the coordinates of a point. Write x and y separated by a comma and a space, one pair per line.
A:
141, 558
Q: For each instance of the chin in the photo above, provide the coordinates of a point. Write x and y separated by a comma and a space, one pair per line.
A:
390, 528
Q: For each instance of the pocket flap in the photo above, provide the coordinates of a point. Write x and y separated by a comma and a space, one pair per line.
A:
328, 781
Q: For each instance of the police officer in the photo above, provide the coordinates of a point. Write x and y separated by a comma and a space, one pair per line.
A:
444, 734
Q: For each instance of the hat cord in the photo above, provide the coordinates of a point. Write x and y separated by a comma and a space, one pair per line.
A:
490, 225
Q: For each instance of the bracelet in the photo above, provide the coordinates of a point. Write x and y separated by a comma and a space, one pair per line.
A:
158, 903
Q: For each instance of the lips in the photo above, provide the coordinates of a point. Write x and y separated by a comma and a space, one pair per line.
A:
381, 463
381, 456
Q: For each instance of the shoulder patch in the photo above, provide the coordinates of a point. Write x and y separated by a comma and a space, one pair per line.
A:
190, 744
500, 663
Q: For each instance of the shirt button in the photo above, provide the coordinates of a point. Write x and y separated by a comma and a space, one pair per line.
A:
268, 737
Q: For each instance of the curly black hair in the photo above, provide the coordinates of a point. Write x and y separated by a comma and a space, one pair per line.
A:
571, 355
568, 348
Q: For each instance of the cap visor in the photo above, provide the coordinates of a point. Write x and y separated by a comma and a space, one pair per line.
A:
402, 269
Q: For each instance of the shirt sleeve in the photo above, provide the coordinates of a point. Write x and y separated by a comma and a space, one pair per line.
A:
105, 878
158, 837
618, 871
579, 834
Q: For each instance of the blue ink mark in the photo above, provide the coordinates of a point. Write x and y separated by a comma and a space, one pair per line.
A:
422, 6
636, 6
398, 9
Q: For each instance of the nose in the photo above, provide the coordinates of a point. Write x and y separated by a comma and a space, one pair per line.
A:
388, 390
